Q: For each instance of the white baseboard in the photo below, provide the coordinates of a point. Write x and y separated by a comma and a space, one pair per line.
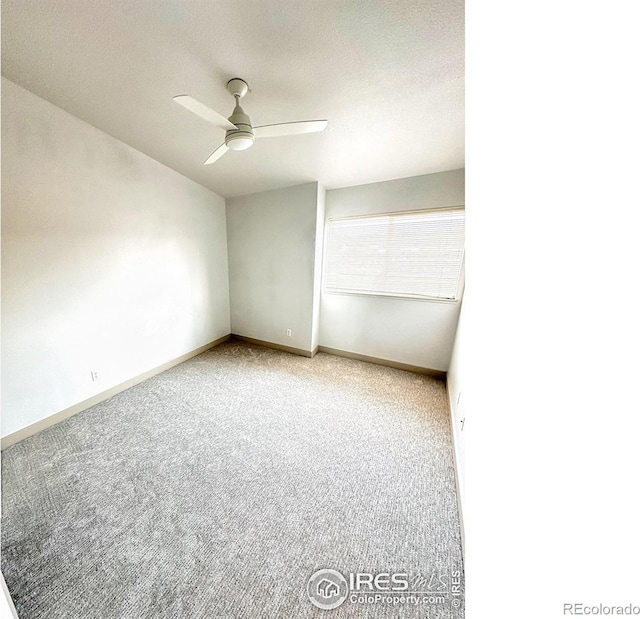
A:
291, 349
38, 426
416, 369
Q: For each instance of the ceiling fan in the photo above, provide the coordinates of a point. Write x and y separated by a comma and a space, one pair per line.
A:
240, 133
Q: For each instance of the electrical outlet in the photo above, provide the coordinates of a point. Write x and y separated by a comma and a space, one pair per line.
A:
94, 375
288, 332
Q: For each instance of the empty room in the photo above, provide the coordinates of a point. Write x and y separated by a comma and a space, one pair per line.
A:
232, 309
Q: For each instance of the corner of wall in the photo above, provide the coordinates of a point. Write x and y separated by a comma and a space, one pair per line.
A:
317, 265
273, 272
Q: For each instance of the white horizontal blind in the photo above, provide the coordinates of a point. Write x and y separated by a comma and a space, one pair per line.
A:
416, 254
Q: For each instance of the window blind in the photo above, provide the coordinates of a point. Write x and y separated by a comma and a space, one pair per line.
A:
415, 254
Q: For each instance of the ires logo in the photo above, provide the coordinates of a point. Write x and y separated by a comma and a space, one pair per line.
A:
328, 589
456, 588
385, 581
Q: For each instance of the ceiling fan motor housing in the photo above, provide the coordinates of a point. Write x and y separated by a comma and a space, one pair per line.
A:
242, 137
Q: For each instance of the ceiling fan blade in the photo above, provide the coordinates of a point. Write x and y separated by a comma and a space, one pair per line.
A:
200, 109
295, 128
217, 153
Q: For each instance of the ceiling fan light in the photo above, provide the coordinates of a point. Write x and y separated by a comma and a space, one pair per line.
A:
240, 141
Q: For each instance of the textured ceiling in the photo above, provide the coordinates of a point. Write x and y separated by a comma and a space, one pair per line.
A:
387, 74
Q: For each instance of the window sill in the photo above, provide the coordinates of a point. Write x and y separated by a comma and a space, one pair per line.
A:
380, 295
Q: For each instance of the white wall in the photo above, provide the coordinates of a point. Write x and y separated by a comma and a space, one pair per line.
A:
272, 239
455, 385
415, 332
110, 261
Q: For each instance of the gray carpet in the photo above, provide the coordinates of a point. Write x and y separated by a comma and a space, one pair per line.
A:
217, 488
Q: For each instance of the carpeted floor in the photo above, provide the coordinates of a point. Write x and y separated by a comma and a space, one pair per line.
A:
217, 488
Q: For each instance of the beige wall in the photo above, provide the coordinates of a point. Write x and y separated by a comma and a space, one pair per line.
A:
110, 261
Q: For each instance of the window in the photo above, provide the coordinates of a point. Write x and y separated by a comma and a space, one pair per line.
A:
416, 254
